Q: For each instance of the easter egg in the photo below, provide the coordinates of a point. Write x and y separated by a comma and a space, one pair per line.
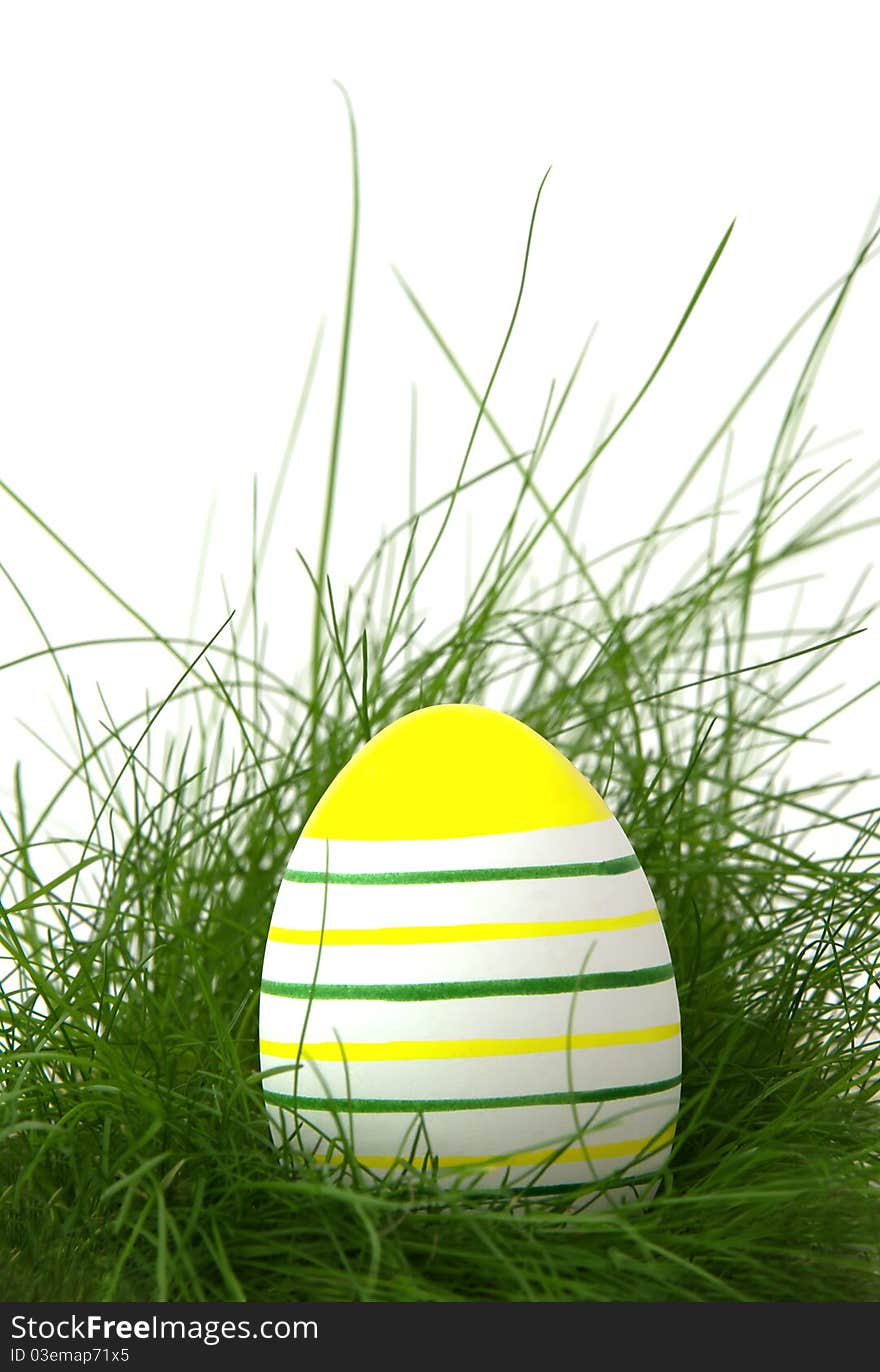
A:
466, 970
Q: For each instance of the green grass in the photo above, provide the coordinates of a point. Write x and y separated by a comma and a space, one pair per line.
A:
135, 1160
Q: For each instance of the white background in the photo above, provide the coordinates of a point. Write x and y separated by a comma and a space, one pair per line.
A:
176, 199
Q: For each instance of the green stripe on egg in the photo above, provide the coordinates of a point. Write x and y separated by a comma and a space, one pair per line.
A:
467, 990
610, 867
367, 1105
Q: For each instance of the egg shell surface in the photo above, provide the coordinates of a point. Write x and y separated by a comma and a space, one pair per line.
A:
466, 963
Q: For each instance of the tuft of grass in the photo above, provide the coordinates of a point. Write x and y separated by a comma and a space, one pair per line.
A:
135, 1158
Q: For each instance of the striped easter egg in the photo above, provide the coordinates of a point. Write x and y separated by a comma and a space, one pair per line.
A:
466, 970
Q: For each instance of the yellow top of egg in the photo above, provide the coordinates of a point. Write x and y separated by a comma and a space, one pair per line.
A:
454, 771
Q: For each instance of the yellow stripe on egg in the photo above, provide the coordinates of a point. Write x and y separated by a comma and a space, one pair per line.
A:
423, 1050
463, 933
621, 1148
